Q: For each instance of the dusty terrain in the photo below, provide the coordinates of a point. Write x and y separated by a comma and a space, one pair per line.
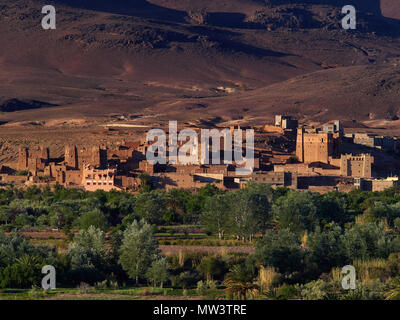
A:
140, 63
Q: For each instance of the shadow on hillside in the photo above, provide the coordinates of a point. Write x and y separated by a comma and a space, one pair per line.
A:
373, 6
145, 9
137, 8
227, 19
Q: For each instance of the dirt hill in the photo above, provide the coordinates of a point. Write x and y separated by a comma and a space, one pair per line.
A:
391, 8
230, 59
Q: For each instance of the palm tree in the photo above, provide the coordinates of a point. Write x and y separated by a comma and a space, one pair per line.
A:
29, 260
239, 282
145, 182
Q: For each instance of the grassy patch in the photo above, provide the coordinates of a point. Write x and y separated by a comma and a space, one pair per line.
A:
128, 293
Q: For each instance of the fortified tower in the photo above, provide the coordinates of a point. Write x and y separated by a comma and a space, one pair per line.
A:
300, 144
71, 156
23, 158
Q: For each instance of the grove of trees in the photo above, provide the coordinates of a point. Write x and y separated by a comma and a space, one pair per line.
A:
300, 237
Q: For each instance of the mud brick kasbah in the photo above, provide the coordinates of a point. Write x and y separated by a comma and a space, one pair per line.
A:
287, 154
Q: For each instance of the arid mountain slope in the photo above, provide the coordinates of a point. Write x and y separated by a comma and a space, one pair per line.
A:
391, 8
354, 93
165, 56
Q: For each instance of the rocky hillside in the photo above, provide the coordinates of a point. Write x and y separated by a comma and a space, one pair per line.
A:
160, 57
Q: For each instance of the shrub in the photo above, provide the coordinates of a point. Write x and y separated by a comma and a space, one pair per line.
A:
101, 285
212, 284
36, 293
212, 267
20, 275
393, 263
113, 284
188, 279
84, 288
202, 288
372, 269
268, 277
320, 290
24, 220
373, 290
287, 292
21, 173
85, 274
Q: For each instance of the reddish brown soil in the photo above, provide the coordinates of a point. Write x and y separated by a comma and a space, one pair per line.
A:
150, 58
206, 249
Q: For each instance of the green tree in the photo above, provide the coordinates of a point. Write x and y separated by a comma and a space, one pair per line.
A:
250, 210
296, 211
382, 211
281, 250
240, 283
138, 250
158, 272
61, 214
24, 273
6, 215
327, 248
24, 220
332, 208
145, 182
151, 206
14, 246
215, 216
177, 205
88, 249
118, 206
211, 268
195, 202
369, 241
94, 218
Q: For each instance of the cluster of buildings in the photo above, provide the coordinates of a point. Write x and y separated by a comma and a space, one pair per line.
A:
286, 154
334, 161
